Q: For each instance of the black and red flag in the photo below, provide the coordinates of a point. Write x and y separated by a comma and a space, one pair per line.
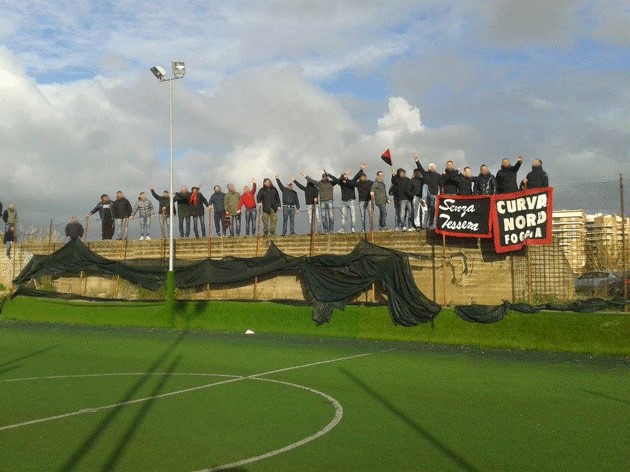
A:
387, 157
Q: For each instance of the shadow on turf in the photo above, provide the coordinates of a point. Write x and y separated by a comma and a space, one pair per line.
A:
426, 435
608, 397
27, 356
91, 440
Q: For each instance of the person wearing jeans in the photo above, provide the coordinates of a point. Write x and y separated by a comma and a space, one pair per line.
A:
197, 205
217, 203
379, 193
122, 211
364, 187
348, 198
183, 211
326, 206
248, 200
431, 187
428, 222
290, 206
328, 216
232, 197
9, 239
269, 200
144, 208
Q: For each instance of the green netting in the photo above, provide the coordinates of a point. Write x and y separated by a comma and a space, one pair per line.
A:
330, 281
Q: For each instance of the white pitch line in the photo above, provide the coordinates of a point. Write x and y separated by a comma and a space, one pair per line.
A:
176, 392
334, 422
121, 374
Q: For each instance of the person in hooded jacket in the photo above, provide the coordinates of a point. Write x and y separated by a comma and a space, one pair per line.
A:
537, 178
217, 203
403, 193
268, 199
311, 197
506, 176
106, 212
485, 184
144, 208
348, 197
364, 187
326, 187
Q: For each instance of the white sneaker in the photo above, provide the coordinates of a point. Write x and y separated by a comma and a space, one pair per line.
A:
341, 230
353, 230
404, 228
147, 238
411, 229
141, 238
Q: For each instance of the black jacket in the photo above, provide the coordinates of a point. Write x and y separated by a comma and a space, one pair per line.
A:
364, 188
289, 197
450, 181
348, 186
506, 178
465, 185
432, 180
270, 199
105, 210
537, 178
485, 185
200, 207
416, 184
163, 204
311, 192
74, 230
121, 208
9, 237
402, 187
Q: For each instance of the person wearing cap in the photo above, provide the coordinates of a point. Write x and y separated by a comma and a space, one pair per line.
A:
311, 196
74, 229
164, 205
9, 239
431, 187
248, 200
268, 199
290, 206
106, 212
182, 198
197, 204
537, 178
10, 216
144, 208
379, 192
506, 176
364, 187
326, 187
348, 197
217, 203
232, 197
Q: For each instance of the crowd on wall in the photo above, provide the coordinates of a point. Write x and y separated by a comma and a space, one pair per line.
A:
235, 213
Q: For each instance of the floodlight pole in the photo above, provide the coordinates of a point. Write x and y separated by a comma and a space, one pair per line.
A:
170, 276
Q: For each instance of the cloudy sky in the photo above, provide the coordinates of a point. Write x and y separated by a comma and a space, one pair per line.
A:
284, 86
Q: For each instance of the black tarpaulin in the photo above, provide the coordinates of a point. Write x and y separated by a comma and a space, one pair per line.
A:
330, 280
482, 313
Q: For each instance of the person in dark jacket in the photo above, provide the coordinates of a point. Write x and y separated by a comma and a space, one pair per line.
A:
485, 184
10, 217
465, 182
419, 205
74, 229
364, 187
450, 179
122, 211
326, 204
403, 193
431, 187
506, 176
164, 205
9, 239
290, 206
348, 197
379, 193
217, 203
311, 197
268, 199
537, 178
182, 198
197, 204
106, 212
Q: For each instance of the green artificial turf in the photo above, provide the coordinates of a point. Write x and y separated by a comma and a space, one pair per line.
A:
595, 333
406, 406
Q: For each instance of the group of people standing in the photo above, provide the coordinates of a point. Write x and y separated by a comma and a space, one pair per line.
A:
414, 201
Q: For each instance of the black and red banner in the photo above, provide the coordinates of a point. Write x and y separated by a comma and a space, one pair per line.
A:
464, 217
513, 219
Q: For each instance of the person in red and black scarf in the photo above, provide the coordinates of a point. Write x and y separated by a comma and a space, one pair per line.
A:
197, 204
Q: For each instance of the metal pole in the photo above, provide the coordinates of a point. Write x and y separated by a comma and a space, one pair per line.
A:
170, 278
624, 265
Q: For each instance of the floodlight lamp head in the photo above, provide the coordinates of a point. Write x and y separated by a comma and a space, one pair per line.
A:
179, 69
158, 72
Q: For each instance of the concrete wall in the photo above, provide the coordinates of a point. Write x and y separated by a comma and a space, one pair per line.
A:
466, 271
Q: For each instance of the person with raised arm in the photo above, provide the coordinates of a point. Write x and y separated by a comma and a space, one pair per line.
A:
326, 187
506, 176
364, 187
348, 187
290, 206
430, 189
311, 196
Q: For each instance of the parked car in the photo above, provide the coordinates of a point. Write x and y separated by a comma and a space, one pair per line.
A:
598, 282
